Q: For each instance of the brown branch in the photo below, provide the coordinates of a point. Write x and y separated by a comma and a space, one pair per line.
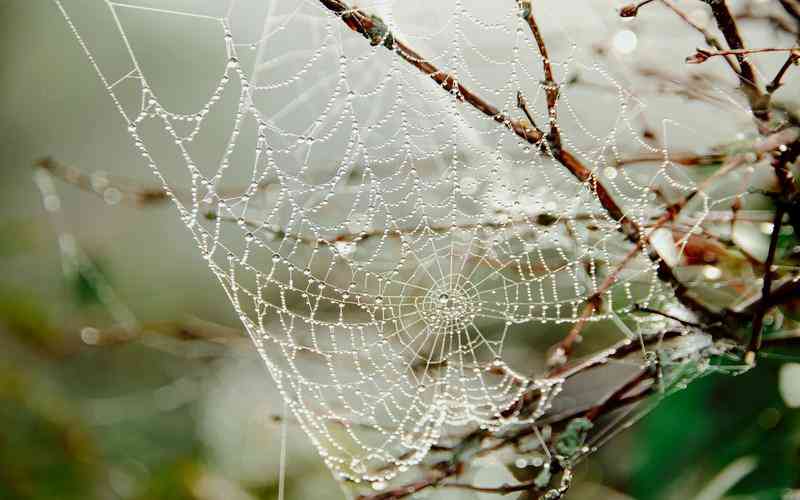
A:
777, 81
762, 306
504, 489
649, 310
551, 88
792, 7
417, 486
759, 103
619, 395
703, 55
522, 104
784, 293
725, 319
685, 159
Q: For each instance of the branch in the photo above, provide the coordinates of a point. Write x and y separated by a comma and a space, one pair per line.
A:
762, 306
522, 104
748, 82
504, 489
649, 310
551, 88
684, 159
792, 7
784, 293
703, 55
777, 81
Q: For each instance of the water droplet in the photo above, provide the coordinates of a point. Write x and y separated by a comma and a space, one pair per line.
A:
625, 41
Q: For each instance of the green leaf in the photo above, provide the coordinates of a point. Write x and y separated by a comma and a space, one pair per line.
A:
574, 436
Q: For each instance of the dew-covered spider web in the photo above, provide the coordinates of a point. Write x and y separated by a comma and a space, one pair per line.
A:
381, 240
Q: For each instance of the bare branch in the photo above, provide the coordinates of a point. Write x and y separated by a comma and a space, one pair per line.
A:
703, 55
551, 88
766, 289
777, 81
748, 81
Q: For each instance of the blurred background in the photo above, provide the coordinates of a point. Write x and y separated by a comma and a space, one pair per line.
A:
185, 409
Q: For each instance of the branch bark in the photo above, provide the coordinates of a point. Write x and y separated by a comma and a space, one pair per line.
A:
748, 81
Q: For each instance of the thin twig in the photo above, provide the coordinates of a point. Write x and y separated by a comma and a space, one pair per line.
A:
649, 310
702, 55
777, 81
748, 82
766, 289
504, 489
685, 159
522, 104
551, 88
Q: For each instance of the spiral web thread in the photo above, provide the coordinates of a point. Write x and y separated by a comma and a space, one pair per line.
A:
388, 239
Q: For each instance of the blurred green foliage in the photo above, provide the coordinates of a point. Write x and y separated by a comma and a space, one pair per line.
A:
695, 433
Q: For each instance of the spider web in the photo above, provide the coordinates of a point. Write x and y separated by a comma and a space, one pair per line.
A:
381, 241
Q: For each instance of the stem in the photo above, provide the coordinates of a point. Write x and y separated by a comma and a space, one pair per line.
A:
551, 88
748, 81
777, 82
763, 304
703, 55
667, 315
